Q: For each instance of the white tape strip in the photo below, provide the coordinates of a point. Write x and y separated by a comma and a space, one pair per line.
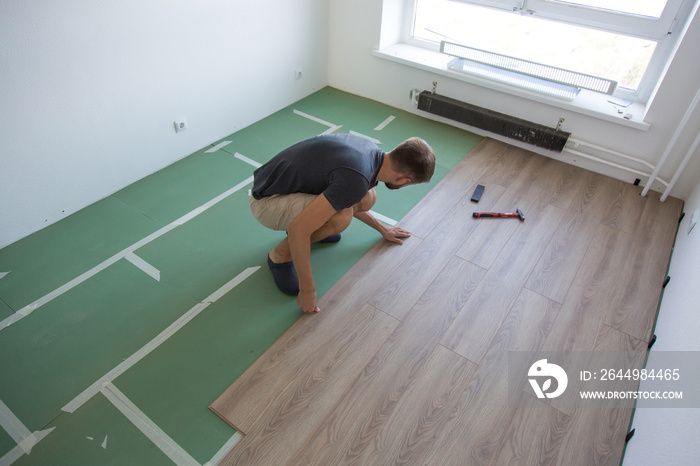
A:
331, 130
3, 274
313, 118
383, 124
24, 439
154, 433
12, 425
215, 296
93, 389
217, 147
382, 218
223, 451
25, 311
11, 456
355, 133
247, 160
147, 268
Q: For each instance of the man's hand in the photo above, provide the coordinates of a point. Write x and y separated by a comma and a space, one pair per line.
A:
307, 301
394, 234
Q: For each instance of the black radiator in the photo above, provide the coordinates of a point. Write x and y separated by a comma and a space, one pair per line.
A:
494, 122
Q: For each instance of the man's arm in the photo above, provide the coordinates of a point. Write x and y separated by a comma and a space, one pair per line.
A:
313, 217
393, 234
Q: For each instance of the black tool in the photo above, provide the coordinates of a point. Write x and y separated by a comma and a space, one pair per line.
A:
477, 193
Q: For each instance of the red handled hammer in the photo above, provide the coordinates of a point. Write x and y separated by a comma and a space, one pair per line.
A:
518, 213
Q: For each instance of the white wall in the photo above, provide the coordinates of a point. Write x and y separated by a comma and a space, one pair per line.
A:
89, 90
355, 30
670, 436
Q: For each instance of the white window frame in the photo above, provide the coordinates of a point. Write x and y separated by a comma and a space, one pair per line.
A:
657, 29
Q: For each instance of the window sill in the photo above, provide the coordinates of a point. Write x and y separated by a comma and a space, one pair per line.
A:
587, 103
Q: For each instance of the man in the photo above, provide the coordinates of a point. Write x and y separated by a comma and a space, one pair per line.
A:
315, 187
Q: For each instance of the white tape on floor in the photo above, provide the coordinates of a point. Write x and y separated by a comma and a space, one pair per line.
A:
25, 311
96, 387
382, 218
3, 274
383, 124
223, 451
332, 128
355, 133
154, 433
24, 439
217, 147
147, 268
247, 160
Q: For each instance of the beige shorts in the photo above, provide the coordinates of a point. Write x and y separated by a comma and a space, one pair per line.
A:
277, 212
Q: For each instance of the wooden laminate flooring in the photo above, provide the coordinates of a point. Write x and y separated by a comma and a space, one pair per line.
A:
407, 363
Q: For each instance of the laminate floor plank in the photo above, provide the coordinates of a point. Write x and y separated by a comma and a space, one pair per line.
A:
471, 333
484, 412
596, 435
590, 294
375, 395
508, 166
243, 401
423, 412
491, 235
641, 282
533, 436
405, 286
301, 401
556, 269
459, 182
625, 209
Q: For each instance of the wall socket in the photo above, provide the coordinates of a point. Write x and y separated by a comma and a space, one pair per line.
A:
180, 125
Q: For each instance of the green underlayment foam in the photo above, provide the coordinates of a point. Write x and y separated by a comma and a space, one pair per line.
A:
49, 357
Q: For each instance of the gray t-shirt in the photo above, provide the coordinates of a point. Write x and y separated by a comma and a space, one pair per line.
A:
341, 166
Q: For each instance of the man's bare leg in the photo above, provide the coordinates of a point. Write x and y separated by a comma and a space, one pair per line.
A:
336, 224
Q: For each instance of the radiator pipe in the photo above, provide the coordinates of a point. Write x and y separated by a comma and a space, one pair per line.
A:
612, 164
671, 144
681, 167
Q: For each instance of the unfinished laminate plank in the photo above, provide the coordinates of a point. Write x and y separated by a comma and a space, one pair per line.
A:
491, 235
297, 403
471, 333
483, 414
242, 403
459, 182
560, 261
597, 435
641, 282
374, 397
408, 283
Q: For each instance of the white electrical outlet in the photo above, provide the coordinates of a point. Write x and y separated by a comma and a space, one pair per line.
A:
693, 220
180, 125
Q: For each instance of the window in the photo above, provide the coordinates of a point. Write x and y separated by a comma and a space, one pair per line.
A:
627, 41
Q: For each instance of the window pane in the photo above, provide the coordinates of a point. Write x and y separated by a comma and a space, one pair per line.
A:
652, 8
613, 56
